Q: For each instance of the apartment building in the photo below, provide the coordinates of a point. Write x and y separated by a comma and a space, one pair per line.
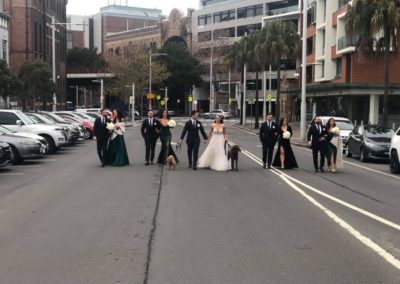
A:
4, 33
341, 80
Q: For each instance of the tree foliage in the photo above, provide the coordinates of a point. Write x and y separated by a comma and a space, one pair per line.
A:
9, 83
84, 58
36, 81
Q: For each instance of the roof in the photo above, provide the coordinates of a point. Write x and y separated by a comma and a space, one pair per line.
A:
133, 12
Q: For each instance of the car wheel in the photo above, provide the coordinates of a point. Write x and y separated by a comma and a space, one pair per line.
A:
206, 117
51, 144
15, 155
90, 134
363, 155
86, 134
394, 163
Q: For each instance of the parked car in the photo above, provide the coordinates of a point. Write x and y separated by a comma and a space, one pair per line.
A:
16, 120
79, 115
394, 152
93, 114
59, 120
88, 110
171, 113
5, 154
66, 129
370, 142
345, 125
23, 147
8, 131
225, 114
89, 126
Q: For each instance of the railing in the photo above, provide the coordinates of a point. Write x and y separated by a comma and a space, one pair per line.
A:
283, 10
345, 42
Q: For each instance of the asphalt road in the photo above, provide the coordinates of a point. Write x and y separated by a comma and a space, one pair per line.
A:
66, 220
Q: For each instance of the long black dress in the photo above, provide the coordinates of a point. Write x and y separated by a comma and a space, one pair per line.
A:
116, 154
166, 148
290, 159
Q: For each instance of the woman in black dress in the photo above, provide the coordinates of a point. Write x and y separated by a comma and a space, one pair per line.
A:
165, 137
117, 154
284, 157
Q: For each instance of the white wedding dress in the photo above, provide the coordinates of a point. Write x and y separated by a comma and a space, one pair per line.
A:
214, 156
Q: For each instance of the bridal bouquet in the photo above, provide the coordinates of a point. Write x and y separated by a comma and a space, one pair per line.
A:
110, 126
172, 123
336, 131
286, 135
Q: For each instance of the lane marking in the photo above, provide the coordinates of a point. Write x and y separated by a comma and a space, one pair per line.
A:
332, 198
365, 240
27, 167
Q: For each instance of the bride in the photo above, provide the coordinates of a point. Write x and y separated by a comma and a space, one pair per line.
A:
214, 155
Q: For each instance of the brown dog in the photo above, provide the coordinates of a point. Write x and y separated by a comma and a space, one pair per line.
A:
233, 155
171, 163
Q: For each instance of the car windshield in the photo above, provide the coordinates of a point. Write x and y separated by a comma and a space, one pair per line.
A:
34, 119
25, 119
378, 132
54, 117
43, 119
344, 125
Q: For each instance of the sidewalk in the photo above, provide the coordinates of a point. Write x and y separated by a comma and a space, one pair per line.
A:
295, 140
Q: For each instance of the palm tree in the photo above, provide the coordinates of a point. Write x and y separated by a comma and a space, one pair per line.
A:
280, 41
235, 58
368, 18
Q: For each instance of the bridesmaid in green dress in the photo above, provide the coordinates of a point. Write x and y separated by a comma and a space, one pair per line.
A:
165, 137
117, 154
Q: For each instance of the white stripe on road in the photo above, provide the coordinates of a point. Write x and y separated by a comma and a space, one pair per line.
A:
365, 240
27, 167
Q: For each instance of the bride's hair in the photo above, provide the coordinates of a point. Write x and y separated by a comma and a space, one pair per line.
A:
221, 119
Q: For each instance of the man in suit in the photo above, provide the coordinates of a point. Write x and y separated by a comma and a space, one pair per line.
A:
192, 128
150, 132
101, 135
316, 137
268, 138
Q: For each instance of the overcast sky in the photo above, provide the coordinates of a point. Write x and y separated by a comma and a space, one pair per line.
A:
90, 7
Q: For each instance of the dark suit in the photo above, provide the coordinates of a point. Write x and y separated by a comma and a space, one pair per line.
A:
268, 138
102, 135
193, 140
150, 134
314, 135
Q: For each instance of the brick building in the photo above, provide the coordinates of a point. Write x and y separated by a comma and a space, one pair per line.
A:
4, 34
31, 35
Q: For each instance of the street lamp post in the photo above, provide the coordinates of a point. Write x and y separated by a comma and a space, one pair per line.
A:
211, 72
166, 97
303, 106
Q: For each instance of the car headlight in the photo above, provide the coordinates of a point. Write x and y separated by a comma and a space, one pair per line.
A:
371, 145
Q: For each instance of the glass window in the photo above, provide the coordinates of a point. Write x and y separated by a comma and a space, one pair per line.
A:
205, 20
8, 118
339, 68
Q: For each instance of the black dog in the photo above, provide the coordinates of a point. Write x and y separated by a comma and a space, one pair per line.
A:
233, 155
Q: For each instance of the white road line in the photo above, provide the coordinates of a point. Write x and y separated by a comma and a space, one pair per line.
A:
359, 166
27, 167
365, 240
244, 130
337, 200
48, 160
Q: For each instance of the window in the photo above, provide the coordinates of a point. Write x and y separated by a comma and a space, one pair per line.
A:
205, 20
323, 69
8, 118
4, 49
339, 68
250, 11
224, 16
242, 30
229, 32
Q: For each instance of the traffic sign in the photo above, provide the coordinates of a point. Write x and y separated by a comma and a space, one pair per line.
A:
158, 97
162, 102
269, 97
151, 96
190, 99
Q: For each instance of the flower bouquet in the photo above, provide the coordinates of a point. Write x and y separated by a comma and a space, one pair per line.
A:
286, 135
335, 131
172, 123
110, 126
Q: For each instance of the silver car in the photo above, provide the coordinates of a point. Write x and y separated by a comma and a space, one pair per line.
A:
225, 114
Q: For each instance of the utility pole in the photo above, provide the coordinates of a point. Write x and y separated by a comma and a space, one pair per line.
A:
303, 107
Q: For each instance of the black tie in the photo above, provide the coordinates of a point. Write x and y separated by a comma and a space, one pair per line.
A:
269, 125
319, 129
194, 123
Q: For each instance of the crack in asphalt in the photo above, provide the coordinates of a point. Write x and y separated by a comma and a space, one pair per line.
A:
154, 226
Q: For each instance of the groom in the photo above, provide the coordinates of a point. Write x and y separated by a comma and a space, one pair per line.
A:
192, 127
101, 135
268, 138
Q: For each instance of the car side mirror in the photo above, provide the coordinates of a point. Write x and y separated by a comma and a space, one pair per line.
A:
357, 135
19, 122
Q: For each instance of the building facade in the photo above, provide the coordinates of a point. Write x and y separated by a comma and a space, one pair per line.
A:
341, 80
4, 34
31, 35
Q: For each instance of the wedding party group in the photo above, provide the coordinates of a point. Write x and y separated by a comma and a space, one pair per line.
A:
109, 131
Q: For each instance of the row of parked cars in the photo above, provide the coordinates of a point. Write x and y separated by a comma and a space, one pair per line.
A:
32, 135
369, 142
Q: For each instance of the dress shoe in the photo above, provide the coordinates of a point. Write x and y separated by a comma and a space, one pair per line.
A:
190, 166
321, 170
152, 162
102, 165
194, 168
316, 170
269, 167
264, 166
147, 163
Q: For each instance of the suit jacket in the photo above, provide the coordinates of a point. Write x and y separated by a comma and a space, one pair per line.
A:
193, 131
100, 130
269, 134
150, 131
314, 135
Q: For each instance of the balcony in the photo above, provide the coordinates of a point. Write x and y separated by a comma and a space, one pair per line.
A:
281, 11
346, 45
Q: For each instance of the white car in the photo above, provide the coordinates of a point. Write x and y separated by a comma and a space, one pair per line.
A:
394, 153
225, 114
16, 120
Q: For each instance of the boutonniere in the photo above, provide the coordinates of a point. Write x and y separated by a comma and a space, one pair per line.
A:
198, 125
155, 123
273, 127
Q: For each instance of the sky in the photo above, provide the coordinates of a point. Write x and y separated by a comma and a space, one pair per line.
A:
90, 7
